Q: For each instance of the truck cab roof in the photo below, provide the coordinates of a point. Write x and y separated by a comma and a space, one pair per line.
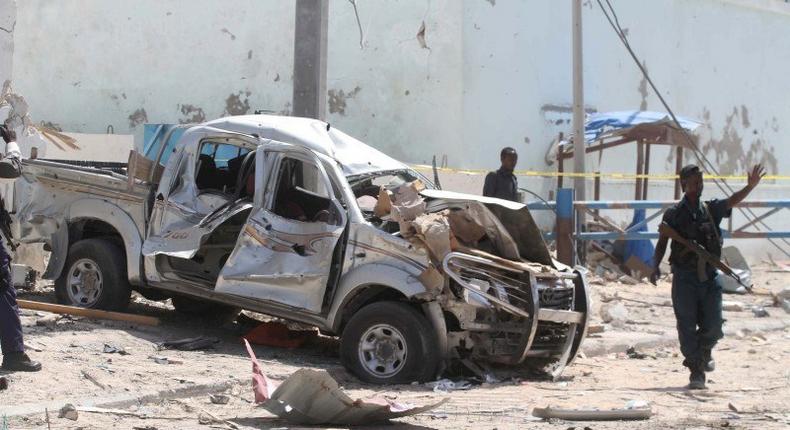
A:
355, 157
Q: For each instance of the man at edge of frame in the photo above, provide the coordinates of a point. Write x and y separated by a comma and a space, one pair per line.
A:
696, 297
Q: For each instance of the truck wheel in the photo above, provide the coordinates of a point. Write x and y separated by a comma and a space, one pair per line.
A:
94, 276
389, 343
197, 307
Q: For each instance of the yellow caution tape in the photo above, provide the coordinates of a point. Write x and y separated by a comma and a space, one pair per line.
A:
665, 176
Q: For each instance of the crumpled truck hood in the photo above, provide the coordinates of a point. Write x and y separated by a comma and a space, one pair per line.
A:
515, 217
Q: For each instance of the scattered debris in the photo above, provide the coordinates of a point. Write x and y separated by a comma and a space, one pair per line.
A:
278, 335
219, 399
86, 312
631, 352
634, 413
760, 312
49, 321
68, 411
732, 306
3, 383
446, 385
158, 359
313, 397
93, 379
614, 312
112, 349
190, 343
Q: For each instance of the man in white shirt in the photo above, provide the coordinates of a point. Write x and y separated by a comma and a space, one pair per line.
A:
11, 344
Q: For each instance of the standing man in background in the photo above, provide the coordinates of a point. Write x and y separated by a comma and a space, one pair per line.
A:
696, 297
13, 348
502, 183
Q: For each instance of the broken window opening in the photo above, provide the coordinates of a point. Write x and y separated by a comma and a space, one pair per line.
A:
302, 194
218, 167
366, 191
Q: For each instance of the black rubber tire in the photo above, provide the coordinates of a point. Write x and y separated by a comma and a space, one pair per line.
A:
422, 356
197, 307
110, 258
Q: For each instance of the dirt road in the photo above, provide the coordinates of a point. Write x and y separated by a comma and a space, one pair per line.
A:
750, 388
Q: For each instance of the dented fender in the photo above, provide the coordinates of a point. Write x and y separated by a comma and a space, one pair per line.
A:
113, 215
362, 276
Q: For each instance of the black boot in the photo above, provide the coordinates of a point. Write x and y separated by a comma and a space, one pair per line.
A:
19, 362
707, 360
697, 379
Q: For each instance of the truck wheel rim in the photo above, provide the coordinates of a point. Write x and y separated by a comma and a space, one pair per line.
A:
85, 283
382, 350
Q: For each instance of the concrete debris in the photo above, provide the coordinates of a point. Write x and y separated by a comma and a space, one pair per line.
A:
112, 349
614, 312
219, 399
760, 312
786, 305
49, 321
732, 306
69, 412
631, 352
158, 359
314, 398
625, 279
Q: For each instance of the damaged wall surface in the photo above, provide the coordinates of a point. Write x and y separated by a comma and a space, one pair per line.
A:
413, 78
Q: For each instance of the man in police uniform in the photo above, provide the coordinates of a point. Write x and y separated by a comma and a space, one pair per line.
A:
502, 183
11, 344
696, 298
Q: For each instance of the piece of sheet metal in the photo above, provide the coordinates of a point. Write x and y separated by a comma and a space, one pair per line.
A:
313, 397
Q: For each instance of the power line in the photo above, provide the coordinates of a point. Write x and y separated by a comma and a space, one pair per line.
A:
723, 186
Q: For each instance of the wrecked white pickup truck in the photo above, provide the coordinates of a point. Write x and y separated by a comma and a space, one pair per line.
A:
293, 218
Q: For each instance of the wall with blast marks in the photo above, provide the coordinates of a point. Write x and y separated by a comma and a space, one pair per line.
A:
416, 77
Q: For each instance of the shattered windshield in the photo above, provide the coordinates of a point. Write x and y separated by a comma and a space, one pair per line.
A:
367, 187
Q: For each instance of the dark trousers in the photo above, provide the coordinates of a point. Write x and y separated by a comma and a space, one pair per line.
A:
698, 312
10, 326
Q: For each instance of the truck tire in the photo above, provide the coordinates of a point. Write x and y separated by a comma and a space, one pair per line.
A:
197, 307
389, 343
94, 276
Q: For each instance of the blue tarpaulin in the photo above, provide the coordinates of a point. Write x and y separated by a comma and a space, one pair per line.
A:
599, 123
642, 249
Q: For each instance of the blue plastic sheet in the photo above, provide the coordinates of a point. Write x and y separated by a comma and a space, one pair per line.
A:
642, 249
602, 122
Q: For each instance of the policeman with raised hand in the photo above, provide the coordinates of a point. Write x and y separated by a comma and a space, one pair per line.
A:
696, 297
11, 344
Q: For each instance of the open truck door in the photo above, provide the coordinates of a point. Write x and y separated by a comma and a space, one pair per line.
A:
288, 248
199, 189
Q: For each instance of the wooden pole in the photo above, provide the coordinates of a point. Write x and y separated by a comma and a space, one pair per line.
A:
640, 161
87, 312
646, 171
678, 166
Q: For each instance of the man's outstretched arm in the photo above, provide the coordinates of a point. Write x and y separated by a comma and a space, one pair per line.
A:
754, 177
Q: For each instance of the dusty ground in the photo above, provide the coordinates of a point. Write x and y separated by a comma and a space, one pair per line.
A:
753, 376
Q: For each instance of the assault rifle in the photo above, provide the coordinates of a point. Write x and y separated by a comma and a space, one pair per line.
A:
703, 255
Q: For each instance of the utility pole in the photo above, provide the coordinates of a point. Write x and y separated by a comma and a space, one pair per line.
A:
310, 42
579, 146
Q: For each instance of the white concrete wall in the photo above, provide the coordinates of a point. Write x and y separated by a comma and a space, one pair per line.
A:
491, 73
89, 64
